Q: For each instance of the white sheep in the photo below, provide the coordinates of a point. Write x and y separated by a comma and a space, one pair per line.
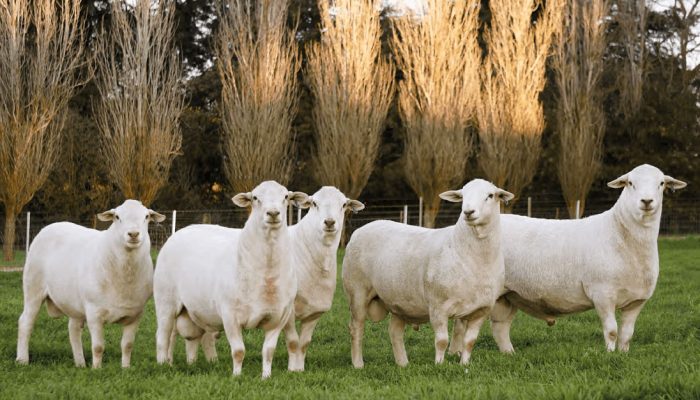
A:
424, 275
315, 241
90, 275
608, 261
208, 277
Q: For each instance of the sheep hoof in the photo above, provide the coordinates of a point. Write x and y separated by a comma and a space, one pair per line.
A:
551, 322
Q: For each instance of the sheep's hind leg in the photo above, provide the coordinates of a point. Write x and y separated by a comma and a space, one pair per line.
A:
75, 330
32, 304
209, 345
397, 327
358, 313
457, 337
502, 316
627, 320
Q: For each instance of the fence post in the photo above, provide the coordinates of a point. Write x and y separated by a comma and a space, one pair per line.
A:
298, 215
290, 214
529, 206
174, 221
578, 209
405, 214
420, 211
29, 219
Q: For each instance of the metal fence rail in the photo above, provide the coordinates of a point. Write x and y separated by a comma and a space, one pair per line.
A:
679, 217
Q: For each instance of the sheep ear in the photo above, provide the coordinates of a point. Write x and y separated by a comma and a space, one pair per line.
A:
454, 196
107, 215
243, 199
299, 199
673, 183
504, 196
354, 205
619, 182
305, 204
154, 216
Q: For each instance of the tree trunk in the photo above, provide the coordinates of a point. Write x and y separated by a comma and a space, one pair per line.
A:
430, 212
571, 206
8, 244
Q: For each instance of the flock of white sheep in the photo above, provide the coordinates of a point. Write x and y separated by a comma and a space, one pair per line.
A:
269, 275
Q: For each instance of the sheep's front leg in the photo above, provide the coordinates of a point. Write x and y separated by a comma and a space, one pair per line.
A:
75, 330
128, 336
268, 350
95, 326
627, 320
397, 326
234, 334
439, 323
469, 339
292, 339
606, 312
307, 331
502, 316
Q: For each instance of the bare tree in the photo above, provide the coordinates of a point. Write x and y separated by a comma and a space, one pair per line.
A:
631, 18
439, 57
580, 123
353, 87
41, 64
141, 98
510, 113
258, 62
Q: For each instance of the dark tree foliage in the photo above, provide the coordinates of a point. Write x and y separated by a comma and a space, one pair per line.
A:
664, 132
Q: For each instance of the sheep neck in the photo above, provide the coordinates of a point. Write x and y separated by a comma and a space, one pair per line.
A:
120, 263
628, 227
259, 244
480, 240
312, 251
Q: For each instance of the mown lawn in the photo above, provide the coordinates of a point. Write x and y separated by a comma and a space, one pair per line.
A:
567, 360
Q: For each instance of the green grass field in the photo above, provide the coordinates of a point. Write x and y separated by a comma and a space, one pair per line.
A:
567, 360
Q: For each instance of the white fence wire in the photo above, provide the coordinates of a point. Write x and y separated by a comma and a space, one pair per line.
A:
679, 217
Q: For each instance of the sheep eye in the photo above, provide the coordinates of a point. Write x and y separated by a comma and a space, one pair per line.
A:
255, 198
491, 196
286, 197
661, 184
116, 217
313, 204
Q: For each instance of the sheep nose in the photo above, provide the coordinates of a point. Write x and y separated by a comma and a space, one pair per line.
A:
647, 202
273, 214
468, 213
134, 235
329, 222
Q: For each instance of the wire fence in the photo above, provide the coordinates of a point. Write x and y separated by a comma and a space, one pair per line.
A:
679, 217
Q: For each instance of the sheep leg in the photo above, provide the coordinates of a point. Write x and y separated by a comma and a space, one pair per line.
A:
127, 344
627, 320
307, 331
606, 312
358, 313
469, 339
502, 316
457, 337
32, 304
192, 334
397, 327
439, 323
292, 339
268, 350
234, 335
96, 328
209, 345
75, 330
165, 336
171, 345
